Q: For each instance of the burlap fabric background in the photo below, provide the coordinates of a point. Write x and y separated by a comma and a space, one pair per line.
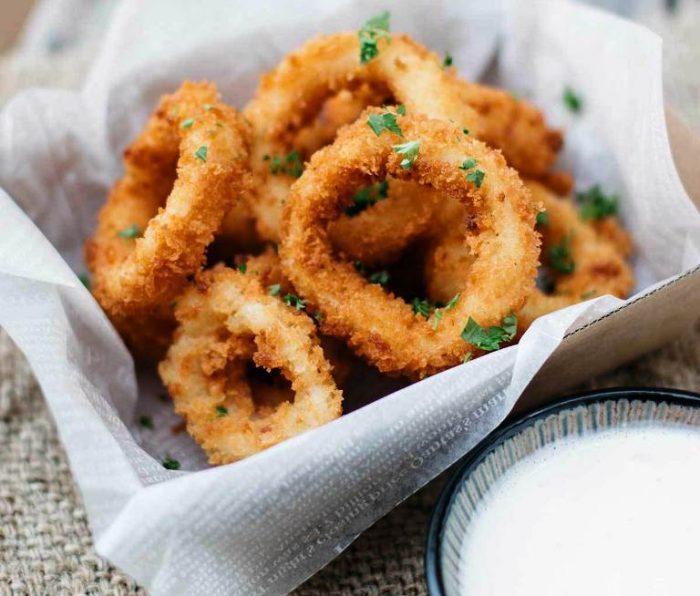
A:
45, 543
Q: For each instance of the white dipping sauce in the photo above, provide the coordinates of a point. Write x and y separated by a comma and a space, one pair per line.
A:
614, 513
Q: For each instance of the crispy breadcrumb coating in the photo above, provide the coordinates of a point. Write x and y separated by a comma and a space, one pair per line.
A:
378, 326
227, 319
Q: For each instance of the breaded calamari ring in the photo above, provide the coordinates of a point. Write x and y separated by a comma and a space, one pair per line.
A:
447, 253
226, 319
378, 235
514, 126
151, 234
609, 228
597, 266
267, 269
339, 110
508, 123
376, 325
293, 93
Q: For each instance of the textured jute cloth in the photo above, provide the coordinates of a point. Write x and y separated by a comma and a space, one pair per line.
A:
45, 543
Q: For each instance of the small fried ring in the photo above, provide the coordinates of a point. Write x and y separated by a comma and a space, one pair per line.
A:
226, 319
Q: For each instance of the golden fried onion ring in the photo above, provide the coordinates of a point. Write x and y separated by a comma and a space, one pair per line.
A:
141, 252
226, 319
377, 325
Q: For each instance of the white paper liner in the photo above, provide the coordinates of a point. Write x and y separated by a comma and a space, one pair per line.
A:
265, 524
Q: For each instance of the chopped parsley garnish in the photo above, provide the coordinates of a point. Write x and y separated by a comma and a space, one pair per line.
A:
170, 463
290, 164
201, 153
595, 204
208, 107
85, 280
368, 196
452, 303
447, 61
221, 411
274, 289
378, 277
422, 307
243, 267
401, 110
187, 123
381, 122
467, 357
542, 218
572, 101
410, 152
371, 32
560, 256
318, 316
425, 308
294, 301
465, 131
475, 176
449, 306
133, 231
491, 338
146, 422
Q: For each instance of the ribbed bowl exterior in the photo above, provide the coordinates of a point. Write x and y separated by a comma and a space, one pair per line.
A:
576, 416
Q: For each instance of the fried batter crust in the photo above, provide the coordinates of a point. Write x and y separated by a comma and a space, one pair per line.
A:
378, 326
177, 200
226, 319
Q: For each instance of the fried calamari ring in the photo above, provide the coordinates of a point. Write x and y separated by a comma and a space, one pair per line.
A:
514, 126
569, 242
583, 264
510, 124
151, 233
292, 94
560, 183
378, 235
375, 324
339, 110
448, 255
267, 269
226, 319
609, 228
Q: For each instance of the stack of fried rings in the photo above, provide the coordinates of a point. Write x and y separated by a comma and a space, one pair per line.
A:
202, 179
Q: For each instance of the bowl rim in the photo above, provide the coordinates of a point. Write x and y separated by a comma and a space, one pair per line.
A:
433, 573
